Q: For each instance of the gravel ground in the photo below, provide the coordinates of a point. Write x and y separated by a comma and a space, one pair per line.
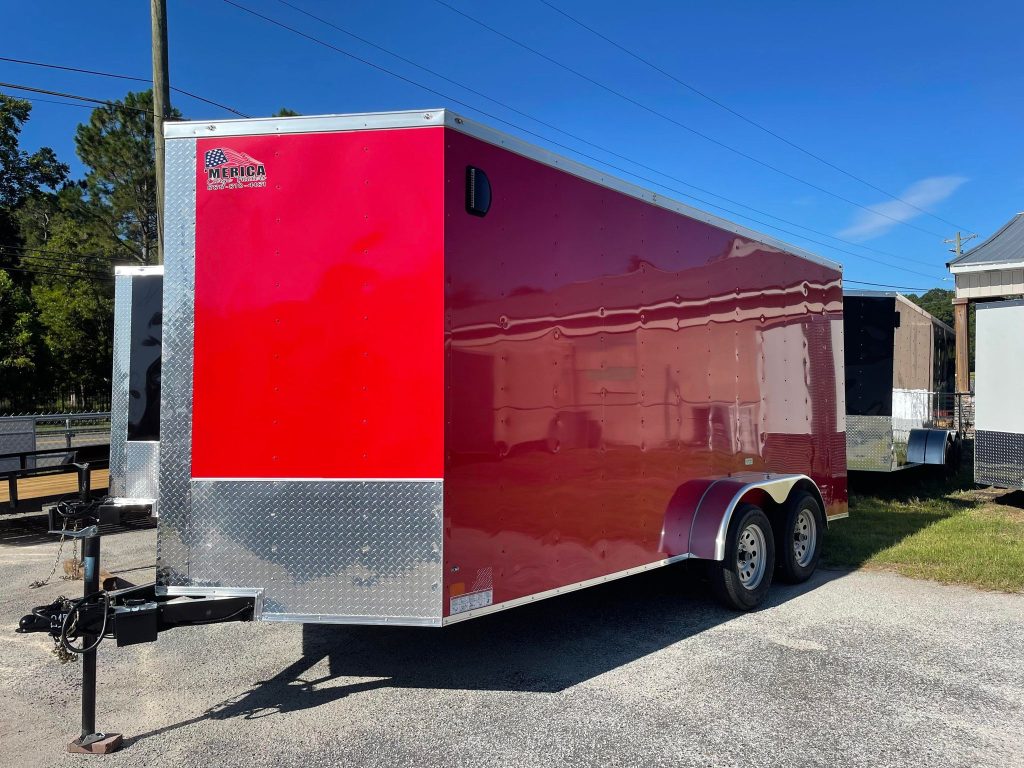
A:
851, 669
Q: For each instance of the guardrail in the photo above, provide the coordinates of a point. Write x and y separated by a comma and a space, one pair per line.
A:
31, 431
81, 460
68, 426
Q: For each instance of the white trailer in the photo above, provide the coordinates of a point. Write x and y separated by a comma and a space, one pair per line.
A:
998, 415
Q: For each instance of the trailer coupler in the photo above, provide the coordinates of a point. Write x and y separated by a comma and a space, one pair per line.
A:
132, 615
135, 614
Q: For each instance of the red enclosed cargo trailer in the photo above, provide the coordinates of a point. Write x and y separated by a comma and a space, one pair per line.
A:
413, 370
416, 370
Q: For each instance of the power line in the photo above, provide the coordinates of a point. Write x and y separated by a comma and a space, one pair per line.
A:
741, 116
582, 140
65, 260
59, 273
48, 250
102, 102
52, 262
680, 124
122, 77
564, 146
886, 285
54, 101
95, 256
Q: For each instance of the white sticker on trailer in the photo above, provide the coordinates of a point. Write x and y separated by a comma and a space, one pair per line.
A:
471, 601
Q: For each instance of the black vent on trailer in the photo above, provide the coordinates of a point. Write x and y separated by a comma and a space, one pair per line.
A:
478, 191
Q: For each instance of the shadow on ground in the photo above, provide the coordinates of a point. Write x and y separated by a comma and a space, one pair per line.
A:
923, 482
545, 647
1013, 499
888, 507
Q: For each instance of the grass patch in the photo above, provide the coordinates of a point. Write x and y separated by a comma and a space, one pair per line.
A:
930, 529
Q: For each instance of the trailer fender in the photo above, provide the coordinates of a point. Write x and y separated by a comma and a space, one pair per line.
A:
679, 515
928, 446
713, 512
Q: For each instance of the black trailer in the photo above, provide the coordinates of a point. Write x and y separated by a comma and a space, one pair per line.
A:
900, 395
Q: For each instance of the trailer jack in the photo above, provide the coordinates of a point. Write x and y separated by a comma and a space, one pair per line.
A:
135, 614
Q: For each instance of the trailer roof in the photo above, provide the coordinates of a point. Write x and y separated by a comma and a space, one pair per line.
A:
437, 117
1004, 248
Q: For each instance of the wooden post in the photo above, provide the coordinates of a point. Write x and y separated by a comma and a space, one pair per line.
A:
963, 370
161, 107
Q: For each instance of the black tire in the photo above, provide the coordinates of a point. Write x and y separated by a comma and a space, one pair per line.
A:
728, 581
798, 557
952, 458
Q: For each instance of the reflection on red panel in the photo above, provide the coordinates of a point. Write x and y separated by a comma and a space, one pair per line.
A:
319, 308
603, 352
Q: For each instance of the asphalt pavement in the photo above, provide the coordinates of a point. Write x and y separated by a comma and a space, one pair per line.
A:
850, 669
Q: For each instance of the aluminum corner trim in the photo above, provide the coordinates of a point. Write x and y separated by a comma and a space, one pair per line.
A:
263, 126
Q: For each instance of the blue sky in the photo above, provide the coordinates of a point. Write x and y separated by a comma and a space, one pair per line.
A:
923, 100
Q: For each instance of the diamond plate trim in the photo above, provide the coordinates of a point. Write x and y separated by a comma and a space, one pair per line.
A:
869, 443
142, 470
999, 459
119, 385
322, 549
173, 535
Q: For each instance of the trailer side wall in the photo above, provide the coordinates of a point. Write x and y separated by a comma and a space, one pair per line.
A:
602, 352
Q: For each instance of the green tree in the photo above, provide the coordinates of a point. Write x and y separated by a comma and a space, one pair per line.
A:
23, 175
285, 112
74, 301
25, 178
74, 237
117, 147
19, 345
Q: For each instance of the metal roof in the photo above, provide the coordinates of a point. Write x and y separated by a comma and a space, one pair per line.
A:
1004, 247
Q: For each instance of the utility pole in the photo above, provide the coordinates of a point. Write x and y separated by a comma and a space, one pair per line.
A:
161, 107
960, 322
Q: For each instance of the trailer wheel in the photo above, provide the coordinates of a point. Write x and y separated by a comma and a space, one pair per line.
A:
798, 540
742, 579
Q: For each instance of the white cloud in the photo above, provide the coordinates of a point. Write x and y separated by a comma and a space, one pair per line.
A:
884, 216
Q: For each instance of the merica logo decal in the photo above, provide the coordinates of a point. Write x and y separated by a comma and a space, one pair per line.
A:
227, 169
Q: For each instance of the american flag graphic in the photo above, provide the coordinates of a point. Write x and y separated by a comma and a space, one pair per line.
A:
224, 157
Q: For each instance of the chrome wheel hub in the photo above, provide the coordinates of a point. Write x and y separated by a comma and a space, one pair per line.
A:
805, 537
750, 556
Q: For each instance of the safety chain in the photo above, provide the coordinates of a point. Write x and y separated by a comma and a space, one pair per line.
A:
60, 551
63, 654
56, 562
